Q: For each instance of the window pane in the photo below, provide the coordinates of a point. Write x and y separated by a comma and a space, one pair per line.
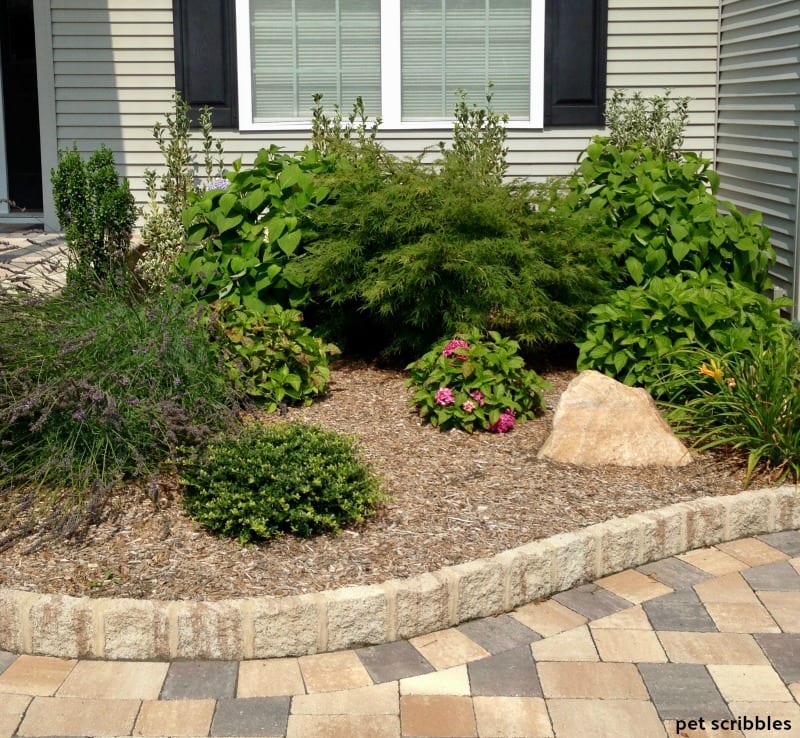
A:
301, 47
452, 44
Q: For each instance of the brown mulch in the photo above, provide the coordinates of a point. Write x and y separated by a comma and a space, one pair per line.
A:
454, 497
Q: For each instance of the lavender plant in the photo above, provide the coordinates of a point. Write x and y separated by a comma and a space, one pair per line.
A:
97, 390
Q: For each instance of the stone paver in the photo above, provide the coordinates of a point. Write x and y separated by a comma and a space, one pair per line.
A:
643, 653
674, 573
508, 674
679, 611
683, 691
251, 716
197, 680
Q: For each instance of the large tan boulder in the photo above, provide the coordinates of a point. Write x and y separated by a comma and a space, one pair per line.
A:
600, 421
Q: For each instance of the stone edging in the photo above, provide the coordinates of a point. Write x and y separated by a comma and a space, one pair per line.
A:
267, 627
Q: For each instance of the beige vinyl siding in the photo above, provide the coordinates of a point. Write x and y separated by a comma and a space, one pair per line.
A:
115, 74
758, 145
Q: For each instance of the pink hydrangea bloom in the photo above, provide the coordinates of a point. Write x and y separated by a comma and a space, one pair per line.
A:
504, 423
478, 396
444, 396
468, 406
451, 347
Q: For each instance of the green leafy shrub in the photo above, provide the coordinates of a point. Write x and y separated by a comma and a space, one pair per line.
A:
657, 123
406, 253
478, 146
475, 383
279, 478
96, 211
241, 238
163, 232
747, 401
667, 217
97, 389
644, 330
272, 357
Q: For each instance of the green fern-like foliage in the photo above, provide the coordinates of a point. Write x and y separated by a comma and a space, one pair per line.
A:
408, 253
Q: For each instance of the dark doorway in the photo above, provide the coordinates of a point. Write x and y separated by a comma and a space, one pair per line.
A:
21, 104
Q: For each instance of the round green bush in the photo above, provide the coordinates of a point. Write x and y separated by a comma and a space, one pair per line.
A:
279, 478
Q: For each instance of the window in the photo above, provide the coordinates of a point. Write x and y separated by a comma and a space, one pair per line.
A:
257, 63
405, 58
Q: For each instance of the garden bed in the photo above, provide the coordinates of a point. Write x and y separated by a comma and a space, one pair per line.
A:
454, 497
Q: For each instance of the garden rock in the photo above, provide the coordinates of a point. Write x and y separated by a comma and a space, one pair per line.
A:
600, 421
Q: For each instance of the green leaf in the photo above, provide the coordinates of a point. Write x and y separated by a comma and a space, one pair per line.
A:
289, 242
635, 269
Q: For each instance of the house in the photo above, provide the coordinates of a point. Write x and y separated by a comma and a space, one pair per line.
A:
103, 71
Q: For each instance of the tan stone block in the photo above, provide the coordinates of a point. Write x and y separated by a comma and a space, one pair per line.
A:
422, 604
548, 618
705, 522
787, 713
795, 690
605, 719
664, 532
634, 618
35, 675
575, 558
571, 645
454, 680
530, 573
343, 726
620, 545
380, 699
437, 715
787, 507
175, 718
14, 607
735, 617
711, 648
284, 626
784, 608
79, 717
713, 561
115, 680
135, 629
12, 709
748, 514
729, 588
752, 551
446, 648
61, 626
208, 630
520, 717
333, 672
480, 588
634, 586
270, 678
743, 683
585, 680
629, 646
356, 616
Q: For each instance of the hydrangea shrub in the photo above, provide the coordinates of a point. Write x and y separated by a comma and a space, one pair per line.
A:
475, 382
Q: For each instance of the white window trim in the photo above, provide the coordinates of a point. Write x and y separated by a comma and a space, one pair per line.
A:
390, 76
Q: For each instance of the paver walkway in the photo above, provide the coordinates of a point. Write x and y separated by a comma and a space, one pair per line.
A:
31, 261
709, 637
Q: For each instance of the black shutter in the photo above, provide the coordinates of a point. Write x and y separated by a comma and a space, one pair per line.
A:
575, 62
205, 58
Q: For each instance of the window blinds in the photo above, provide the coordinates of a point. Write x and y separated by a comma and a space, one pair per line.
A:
452, 44
302, 47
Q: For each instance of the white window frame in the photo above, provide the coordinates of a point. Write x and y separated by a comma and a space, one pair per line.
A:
390, 76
